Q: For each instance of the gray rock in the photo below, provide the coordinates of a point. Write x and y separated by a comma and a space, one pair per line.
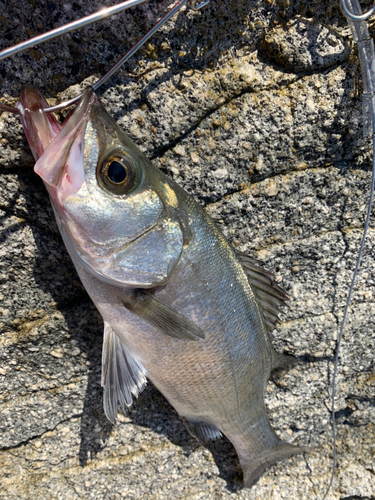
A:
305, 45
276, 155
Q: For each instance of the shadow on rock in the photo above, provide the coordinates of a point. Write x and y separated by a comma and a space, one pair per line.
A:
153, 411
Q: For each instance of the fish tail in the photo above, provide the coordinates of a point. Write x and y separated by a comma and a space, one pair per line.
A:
254, 468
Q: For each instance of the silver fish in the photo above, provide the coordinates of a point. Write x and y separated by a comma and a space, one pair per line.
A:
180, 305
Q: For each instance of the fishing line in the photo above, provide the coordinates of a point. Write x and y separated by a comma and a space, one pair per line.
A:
359, 258
84, 21
125, 58
356, 20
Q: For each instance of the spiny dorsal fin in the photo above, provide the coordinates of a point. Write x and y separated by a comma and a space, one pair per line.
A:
269, 295
122, 375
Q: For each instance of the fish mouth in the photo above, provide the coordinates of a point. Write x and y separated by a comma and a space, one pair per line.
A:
40, 127
57, 148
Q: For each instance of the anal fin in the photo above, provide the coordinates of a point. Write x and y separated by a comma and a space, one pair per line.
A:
202, 431
122, 375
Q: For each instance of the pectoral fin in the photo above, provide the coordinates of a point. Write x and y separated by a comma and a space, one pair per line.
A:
122, 375
163, 317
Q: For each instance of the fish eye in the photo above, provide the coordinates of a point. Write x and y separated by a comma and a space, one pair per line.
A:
117, 174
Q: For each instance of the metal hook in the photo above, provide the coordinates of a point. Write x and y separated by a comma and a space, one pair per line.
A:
353, 17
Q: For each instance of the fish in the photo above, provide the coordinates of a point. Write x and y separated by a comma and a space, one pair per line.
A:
181, 307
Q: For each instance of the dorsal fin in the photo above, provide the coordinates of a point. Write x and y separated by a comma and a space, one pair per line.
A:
269, 295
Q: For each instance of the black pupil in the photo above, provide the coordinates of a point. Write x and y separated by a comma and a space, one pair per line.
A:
116, 172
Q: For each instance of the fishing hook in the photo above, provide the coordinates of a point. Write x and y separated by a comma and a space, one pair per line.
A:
360, 17
49, 35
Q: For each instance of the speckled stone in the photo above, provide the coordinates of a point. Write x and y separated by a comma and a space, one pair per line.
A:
274, 150
305, 45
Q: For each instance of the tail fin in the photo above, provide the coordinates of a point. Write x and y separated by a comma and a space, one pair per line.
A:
253, 469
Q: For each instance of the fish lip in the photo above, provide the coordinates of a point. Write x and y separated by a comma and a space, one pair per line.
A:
52, 164
82, 108
39, 127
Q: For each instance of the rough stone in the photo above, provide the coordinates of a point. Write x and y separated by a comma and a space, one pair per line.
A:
275, 152
305, 45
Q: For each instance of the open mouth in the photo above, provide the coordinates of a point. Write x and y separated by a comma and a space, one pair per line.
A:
57, 148
40, 127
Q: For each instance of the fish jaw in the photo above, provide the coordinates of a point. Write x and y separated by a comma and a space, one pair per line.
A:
58, 149
61, 165
40, 127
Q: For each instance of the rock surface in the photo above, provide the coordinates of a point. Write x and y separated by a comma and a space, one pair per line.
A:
274, 150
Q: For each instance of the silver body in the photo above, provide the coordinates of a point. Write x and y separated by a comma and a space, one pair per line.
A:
159, 241
221, 379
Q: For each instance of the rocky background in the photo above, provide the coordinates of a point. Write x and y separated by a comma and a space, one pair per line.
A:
254, 107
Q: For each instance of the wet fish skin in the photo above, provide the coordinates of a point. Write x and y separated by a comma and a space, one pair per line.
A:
176, 300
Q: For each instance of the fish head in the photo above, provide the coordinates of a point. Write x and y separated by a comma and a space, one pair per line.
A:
112, 206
